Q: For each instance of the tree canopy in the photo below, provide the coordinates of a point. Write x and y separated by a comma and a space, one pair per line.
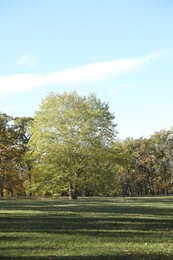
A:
72, 139
13, 146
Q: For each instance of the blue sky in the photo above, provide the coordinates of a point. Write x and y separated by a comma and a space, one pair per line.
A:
122, 50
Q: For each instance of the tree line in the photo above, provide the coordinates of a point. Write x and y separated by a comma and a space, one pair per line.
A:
71, 148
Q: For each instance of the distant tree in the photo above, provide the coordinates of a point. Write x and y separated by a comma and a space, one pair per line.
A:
12, 151
163, 152
72, 139
147, 165
8, 153
21, 129
138, 173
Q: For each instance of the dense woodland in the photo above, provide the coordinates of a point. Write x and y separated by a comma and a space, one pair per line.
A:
71, 148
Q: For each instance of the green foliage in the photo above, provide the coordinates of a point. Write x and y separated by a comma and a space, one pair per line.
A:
72, 138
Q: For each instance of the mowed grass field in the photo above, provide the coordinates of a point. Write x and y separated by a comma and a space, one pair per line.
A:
87, 228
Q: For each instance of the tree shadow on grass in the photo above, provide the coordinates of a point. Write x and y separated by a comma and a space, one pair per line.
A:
98, 205
64, 217
100, 257
74, 223
108, 219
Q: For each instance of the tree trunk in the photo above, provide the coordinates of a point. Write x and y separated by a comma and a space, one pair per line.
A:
151, 185
72, 192
29, 180
1, 194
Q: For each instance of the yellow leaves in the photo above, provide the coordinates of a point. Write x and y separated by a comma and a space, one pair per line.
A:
72, 133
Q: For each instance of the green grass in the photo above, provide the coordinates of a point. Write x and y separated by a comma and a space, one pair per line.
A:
87, 228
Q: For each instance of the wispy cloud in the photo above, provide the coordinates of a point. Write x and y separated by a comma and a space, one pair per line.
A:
95, 72
28, 60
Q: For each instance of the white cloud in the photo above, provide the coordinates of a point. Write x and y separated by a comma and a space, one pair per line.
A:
28, 60
87, 73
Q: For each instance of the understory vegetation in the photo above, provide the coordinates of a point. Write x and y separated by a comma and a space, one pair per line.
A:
87, 228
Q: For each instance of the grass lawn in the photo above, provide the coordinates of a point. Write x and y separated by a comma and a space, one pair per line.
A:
87, 228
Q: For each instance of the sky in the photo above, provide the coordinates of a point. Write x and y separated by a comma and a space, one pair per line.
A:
121, 50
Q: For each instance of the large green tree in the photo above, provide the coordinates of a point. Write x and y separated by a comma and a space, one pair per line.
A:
72, 139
